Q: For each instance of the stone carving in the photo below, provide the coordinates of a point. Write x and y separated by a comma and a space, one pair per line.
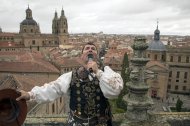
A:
137, 99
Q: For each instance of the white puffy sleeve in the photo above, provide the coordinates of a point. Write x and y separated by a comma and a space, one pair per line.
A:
52, 90
111, 82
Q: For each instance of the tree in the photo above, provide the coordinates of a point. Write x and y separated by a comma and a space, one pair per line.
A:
179, 104
125, 76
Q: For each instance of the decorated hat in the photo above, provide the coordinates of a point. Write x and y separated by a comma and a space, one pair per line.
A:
12, 112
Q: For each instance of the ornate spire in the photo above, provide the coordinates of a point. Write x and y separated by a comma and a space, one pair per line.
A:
55, 17
0, 30
157, 33
62, 12
28, 13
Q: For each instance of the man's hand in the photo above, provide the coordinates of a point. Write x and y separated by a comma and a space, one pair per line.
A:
92, 65
24, 95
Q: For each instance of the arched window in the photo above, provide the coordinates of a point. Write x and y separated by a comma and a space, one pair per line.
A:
155, 57
171, 59
60, 99
170, 74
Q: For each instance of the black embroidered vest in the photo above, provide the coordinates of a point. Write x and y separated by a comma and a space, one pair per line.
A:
86, 97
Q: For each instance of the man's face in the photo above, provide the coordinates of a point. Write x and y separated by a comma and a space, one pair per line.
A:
89, 49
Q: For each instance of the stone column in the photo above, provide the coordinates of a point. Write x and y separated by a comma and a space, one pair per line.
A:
137, 99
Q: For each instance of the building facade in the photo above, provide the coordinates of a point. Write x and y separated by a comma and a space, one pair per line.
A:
31, 38
171, 66
179, 69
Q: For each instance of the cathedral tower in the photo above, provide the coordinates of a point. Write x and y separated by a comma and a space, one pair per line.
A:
60, 27
63, 27
55, 24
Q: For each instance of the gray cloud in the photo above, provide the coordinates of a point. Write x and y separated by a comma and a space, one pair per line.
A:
109, 16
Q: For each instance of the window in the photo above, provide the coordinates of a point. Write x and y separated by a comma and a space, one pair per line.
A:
170, 74
187, 59
43, 42
171, 59
177, 80
163, 58
176, 87
179, 58
53, 108
31, 30
185, 75
155, 57
184, 88
169, 86
185, 81
60, 99
177, 76
24, 30
169, 80
33, 42
148, 55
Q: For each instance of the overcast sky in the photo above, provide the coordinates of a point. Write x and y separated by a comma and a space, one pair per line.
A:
109, 16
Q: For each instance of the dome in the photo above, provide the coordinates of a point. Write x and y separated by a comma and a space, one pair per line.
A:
28, 22
29, 19
156, 46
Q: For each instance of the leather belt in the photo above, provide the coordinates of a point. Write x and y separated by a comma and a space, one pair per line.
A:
89, 121
86, 121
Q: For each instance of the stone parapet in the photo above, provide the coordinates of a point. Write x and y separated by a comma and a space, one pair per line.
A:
156, 119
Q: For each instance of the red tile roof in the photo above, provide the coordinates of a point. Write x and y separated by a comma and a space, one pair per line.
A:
27, 67
23, 82
9, 81
28, 82
68, 61
25, 62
